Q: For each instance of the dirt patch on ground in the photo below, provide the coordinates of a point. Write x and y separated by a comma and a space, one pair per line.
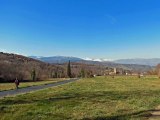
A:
155, 115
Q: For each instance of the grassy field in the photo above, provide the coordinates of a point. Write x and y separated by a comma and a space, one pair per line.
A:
121, 98
10, 86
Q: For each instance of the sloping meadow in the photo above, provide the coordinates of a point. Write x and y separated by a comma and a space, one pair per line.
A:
107, 98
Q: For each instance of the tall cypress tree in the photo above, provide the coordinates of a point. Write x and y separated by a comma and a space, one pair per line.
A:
69, 70
82, 73
33, 75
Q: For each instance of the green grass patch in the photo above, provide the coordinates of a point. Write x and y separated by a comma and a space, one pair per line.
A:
100, 98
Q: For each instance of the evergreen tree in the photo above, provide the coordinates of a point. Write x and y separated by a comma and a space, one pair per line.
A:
69, 70
33, 75
82, 73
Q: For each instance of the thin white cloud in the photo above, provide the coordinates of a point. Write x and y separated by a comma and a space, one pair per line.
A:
111, 19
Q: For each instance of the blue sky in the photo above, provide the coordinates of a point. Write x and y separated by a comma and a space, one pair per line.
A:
111, 29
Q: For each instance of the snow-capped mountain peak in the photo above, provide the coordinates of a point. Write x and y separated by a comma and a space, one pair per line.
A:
97, 59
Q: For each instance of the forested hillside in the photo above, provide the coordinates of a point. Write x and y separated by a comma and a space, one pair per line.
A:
12, 66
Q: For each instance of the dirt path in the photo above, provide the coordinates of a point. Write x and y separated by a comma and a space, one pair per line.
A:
155, 115
33, 88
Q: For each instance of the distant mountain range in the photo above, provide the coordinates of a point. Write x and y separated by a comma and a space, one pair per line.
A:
57, 59
139, 61
63, 59
102, 62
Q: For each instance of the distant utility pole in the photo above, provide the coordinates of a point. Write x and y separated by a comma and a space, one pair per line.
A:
69, 70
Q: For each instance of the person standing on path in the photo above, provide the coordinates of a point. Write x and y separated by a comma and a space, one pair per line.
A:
16, 83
